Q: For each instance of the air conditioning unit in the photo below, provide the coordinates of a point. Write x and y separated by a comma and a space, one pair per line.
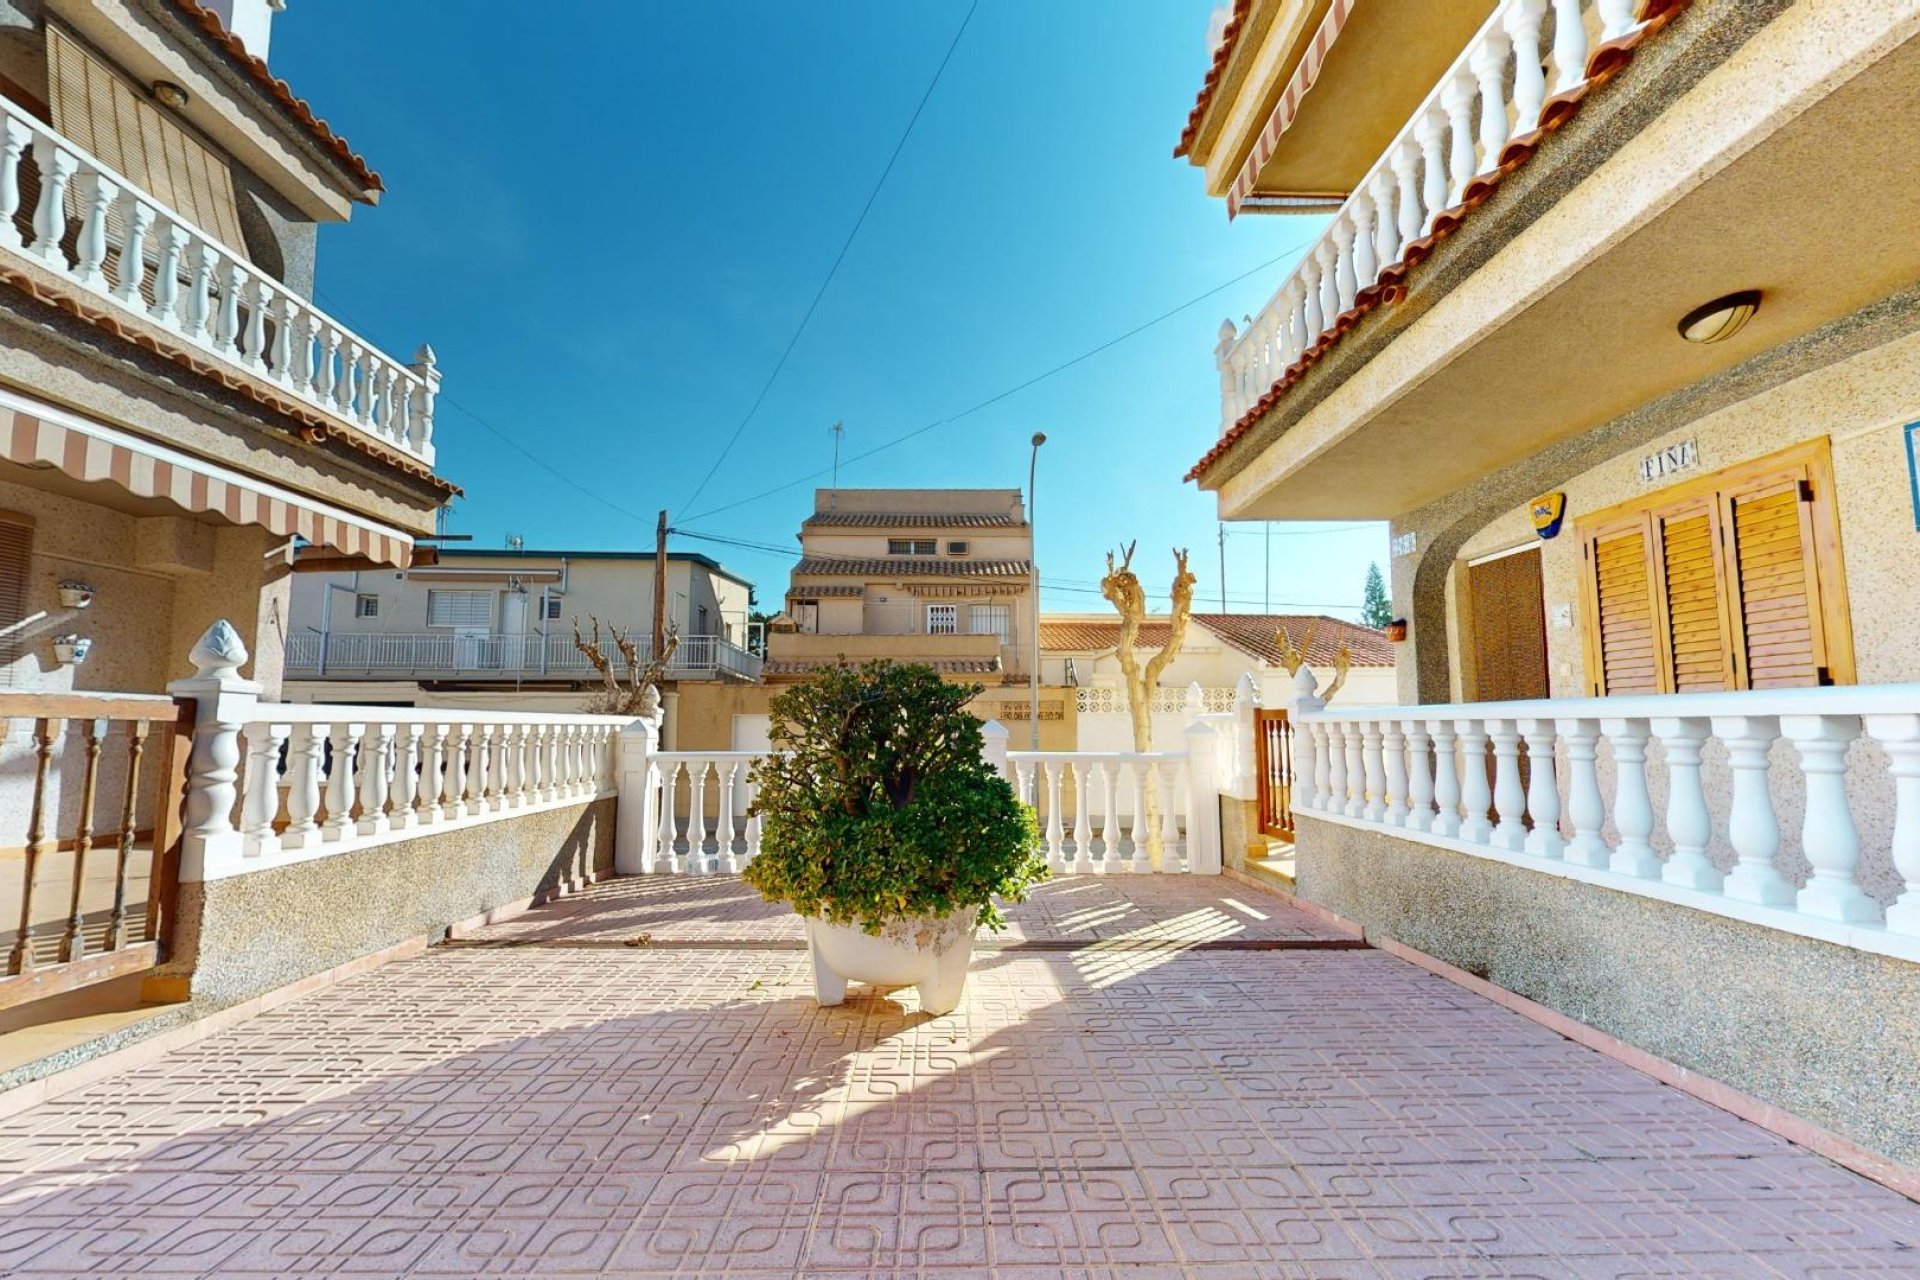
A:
956, 548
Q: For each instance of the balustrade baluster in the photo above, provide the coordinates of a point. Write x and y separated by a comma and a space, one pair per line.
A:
129, 821
226, 334
1509, 798
172, 238
1325, 798
1109, 818
56, 165
1899, 737
253, 343
1366, 267
197, 307
1616, 18
1543, 790
753, 820
406, 777
1327, 255
46, 731
1374, 792
1489, 63
1394, 755
1137, 789
376, 769
97, 194
1419, 775
15, 137
344, 386
1476, 796
280, 348
373, 386
1523, 22
453, 795
669, 828
1306, 320
72, 945
1082, 820
697, 815
729, 861
1752, 829
1446, 779
1337, 792
1586, 811
131, 269
1632, 807
1828, 837
1386, 232
1353, 747
1346, 236
1406, 172
433, 761
1689, 823
1569, 46
1431, 133
260, 804
305, 749
1456, 99
341, 792
480, 766
329, 337
1056, 833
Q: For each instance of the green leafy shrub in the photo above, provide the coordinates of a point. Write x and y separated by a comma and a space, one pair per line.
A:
876, 805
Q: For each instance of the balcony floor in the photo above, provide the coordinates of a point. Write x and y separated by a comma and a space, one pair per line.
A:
1156, 1079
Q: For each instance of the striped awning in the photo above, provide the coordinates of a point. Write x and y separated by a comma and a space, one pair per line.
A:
1304, 74
33, 433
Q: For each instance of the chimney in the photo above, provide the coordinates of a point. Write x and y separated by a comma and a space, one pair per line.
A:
251, 20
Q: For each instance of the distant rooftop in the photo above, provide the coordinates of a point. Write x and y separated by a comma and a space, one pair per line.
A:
1254, 634
975, 508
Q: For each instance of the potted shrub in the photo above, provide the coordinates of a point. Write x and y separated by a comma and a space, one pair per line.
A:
887, 830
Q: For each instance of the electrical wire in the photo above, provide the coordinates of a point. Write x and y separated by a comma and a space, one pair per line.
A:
839, 258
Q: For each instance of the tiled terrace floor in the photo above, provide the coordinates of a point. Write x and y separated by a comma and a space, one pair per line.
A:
566, 1105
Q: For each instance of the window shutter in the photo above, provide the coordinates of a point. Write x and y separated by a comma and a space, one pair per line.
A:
459, 608
1772, 560
1628, 660
106, 114
16, 555
1695, 620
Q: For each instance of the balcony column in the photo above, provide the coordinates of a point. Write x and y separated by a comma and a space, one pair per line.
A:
1509, 797
1406, 170
376, 767
1489, 61
1355, 805
1394, 754
1307, 320
172, 239
406, 777
137, 215
1569, 46
1616, 18
1476, 794
1585, 809
303, 785
1374, 807
1347, 235
16, 136
1386, 234
1523, 24
1366, 267
1828, 836
1323, 755
209, 842
1328, 256
1689, 822
1446, 780
1229, 381
426, 368
1336, 790
1632, 807
57, 166
1431, 132
1543, 790
1456, 98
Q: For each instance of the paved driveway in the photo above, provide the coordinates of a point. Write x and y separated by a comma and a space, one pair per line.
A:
1154, 1078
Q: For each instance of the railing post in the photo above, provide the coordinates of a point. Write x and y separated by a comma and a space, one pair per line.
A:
993, 748
210, 845
1203, 799
636, 816
1246, 702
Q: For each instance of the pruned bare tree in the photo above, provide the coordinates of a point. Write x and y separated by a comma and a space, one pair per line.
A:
639, 695
1294, 658
1122, 588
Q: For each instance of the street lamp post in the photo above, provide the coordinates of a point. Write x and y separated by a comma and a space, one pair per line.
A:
1033, 653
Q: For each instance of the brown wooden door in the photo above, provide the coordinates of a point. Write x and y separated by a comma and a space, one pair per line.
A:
1509, 624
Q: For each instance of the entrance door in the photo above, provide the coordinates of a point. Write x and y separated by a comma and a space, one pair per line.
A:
513, 630
1507, 616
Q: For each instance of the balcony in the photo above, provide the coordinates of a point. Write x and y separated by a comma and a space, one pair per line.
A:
159, 280
447, 656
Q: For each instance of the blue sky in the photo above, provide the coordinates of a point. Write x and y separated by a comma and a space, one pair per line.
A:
608, 219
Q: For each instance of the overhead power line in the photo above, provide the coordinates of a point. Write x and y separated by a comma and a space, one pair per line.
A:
839, 258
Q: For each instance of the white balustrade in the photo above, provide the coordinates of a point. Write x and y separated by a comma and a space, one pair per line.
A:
533, 653
1092, 806
703, 798
128, 246
1584, 806
355, 776
1496, 91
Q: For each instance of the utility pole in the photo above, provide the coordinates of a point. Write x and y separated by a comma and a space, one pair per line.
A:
838, 429
1223, 566
659, 589
1266, 585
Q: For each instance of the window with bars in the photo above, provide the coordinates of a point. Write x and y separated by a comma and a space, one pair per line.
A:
991, 620
459, 608
553, 608
943, 619
1731, 581
366, 606
913, 546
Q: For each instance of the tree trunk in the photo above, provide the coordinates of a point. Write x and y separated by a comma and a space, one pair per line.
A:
1122, 588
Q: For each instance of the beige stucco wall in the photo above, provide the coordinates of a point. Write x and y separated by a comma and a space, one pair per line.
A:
1862, 405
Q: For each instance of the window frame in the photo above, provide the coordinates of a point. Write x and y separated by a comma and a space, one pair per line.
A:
1004, 612
493, 607
1809, 464
366, 604
913, 546
952, 627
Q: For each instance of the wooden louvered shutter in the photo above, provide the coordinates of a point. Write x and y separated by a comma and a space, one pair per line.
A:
1694, 618
16, 554
1628, 655
107, 115
1776, 580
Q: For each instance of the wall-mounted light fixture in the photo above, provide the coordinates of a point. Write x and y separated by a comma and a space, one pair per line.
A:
169, 94
71, 651
1720, 319
75, 594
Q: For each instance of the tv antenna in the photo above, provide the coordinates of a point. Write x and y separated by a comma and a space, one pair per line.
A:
838, 431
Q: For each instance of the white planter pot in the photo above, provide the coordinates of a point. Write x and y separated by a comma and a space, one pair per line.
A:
931, 954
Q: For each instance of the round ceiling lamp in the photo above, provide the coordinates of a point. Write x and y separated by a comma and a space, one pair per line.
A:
1720, 319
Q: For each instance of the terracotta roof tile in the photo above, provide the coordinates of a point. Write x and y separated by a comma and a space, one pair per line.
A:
820, 590
945, 666
349, 159
1222, 54
910, 567
1251, 633
914, 520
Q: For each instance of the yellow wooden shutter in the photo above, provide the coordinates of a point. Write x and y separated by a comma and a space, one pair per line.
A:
1628, 658
105, 114
16, 556
1695, 620
1776, 580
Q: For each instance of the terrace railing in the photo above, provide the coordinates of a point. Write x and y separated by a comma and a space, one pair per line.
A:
92, 227
528, 656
